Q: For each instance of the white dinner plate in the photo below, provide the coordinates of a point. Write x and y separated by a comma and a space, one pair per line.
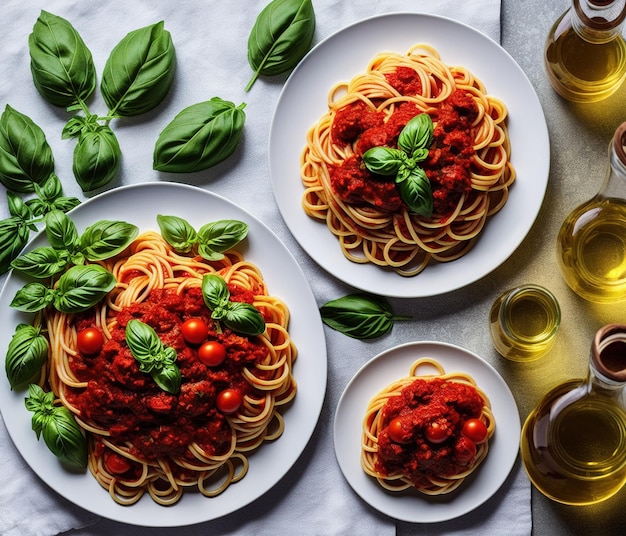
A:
410, 505
140, 204
304, 99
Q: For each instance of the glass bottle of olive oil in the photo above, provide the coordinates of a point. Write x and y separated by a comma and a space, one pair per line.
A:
592, 240
573, 443
585, 53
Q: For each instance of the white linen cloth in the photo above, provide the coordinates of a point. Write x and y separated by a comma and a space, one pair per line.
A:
211, 42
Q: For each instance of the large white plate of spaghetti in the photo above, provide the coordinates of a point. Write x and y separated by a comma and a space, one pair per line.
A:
347, 53
139, 205
387, 368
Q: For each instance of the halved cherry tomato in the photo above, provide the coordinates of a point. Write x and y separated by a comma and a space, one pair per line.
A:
116, 464
396, 431
475, 429
90, 341
229, 401
464, 449
437, 431
212, 353
194, 330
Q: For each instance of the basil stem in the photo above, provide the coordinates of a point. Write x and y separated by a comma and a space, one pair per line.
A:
281, 36
360, 316
153, 356
61, 433
26, 355
199, 137
97, 157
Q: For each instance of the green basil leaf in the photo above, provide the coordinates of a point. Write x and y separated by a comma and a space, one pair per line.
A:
78, 124
81, 287
26, 355
200, 136
61, 231
97, 157
383, 160
14, 234
168, 378
139, 71
50, 189
32, 297
417, 134
25, 156
17, 207
41, 263
65, 204
218, 237
177, 232
244, 318
360, 316
41, 403
105, 239
281, 36
416, 192
215, 292
60, 62
65, 438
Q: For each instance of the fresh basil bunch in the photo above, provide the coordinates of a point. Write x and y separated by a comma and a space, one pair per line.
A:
411, 180
60, 431
360, 316
199, 137
26, 354
280, 38
240, 317
211, 241
136, 78
153, 356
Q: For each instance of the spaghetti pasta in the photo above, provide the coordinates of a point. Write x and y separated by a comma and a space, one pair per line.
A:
142, 439
414, 431
469, 178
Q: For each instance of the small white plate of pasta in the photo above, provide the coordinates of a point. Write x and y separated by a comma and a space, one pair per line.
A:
365, 236
139, 205
391, 368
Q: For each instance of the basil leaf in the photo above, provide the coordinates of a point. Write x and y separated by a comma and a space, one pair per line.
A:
360, 316
41, 263
49, 197
65, 204
199, 137
26, 354
177, 232
215, 293
105, 239
244, 318
168, 378
25, 156
61, 231
60, 62
32, 297
139, 72
50, 189
81, 287
383, 160
416, 192
417, 134
96, 159
218, 237
78, 124
14, 234
17, 207
281, 36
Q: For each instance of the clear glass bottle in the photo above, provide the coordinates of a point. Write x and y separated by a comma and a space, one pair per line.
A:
591, 243
585, 53
573, 443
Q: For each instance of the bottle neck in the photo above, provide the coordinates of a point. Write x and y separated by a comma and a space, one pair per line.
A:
598, 21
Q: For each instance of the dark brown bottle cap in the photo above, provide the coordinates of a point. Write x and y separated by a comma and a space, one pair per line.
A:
608, 352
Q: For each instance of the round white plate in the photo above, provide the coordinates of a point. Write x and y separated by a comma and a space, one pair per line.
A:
140, 204
347, 53
412, 506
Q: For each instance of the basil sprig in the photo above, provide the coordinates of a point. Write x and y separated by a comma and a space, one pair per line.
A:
26, 354
199, 137
97, 158
211, 241
360, 316
281, 36
153, 356
60, 431
411, 180
240, 317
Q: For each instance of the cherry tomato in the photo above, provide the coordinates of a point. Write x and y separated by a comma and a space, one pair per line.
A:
90, 341
229, 401
437, 431
212, 353
464, 450
116, 464
396, 431
194, 330
476, 430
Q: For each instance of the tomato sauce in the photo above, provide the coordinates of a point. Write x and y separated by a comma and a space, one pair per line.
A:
423, 404
127, 402
448, 166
